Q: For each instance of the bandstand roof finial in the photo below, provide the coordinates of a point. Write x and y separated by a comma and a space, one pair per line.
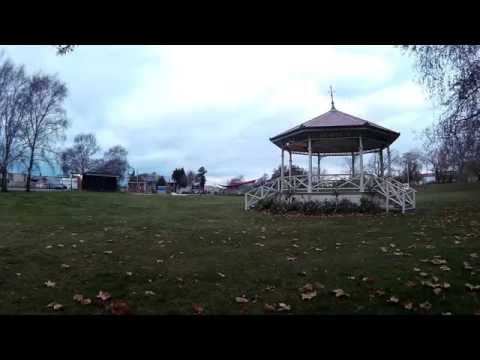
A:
331, 96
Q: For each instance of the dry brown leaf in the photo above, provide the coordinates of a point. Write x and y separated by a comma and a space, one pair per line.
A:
340, 293
78, 297
408, 305
472, 287
197, 308
393, 299
308, 295
103, 295
50, 283
55, 306
241, 299
283, 307
425, 305
438, 261
269, 307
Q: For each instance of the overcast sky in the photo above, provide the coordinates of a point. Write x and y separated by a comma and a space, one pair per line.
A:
217, 106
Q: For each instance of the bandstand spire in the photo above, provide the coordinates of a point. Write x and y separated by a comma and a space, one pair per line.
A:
331, 96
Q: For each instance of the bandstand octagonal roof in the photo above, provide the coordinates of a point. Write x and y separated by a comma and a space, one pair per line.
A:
335, 133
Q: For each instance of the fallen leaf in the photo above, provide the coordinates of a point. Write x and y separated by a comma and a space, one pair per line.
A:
473, 255
291, 258
393, 299
48, 247
65, 266
340, 293
438, 261
129, 273
318, 285
107, 252
423, 274
444, 268
410, 283
445, 285
120, 307
149, 292
437, 291
446, 313
416, 269
103, 295
408, 305
221, 275
308, 295
472, 287
380, 292
49, 283
384, 249
283, 307
425, 305
467, 266
55, 306
259, 244
268, 307
78, 297
241, 299
198, 309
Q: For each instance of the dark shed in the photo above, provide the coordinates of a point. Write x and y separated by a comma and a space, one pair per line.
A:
99, 182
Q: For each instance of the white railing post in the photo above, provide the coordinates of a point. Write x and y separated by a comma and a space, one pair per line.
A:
261, 191
387, 191
246, 202
309, 164
362, 188
282, 171
403, 201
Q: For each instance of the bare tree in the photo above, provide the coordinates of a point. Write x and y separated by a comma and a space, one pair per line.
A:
79, 157
451, 74
45, 120
64, 49
114, 162
13, 84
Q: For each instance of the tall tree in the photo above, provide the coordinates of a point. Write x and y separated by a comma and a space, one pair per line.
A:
79, 158
451, 74
45, 119
180, 178
296, 170
190, 177
114, 162
13, 85
201, 178
412, 166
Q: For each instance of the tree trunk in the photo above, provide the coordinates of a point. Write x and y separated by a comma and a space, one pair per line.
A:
29, 173
4, 181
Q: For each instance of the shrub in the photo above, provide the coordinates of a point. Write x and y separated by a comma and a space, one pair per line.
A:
345, 206
368, 206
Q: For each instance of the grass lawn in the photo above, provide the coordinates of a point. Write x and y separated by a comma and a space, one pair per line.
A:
162, 254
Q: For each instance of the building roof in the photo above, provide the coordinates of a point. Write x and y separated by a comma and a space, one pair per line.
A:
335, 132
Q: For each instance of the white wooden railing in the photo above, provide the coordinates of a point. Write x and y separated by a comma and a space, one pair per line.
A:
396, 194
